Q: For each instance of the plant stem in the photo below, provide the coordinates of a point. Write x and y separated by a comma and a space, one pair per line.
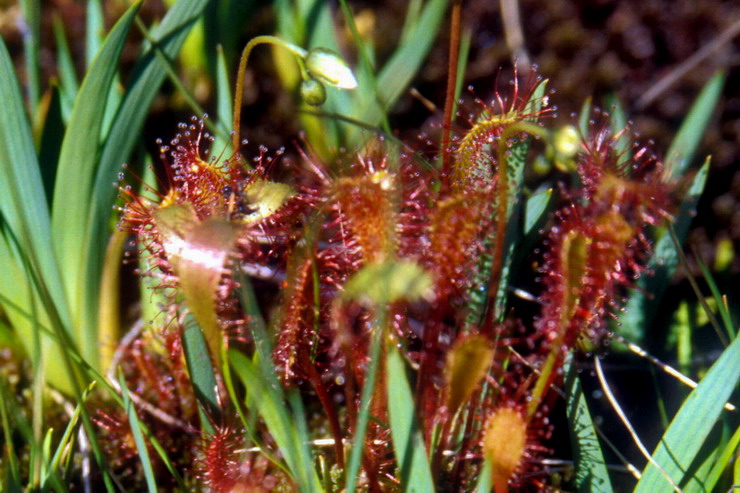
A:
300, 54
451, 84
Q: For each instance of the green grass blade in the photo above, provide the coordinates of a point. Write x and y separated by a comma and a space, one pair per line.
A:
618, 122
724, 458
141, 447
358, 441
273, 407
683, 148
407, 441
640, 308
76, 171
591, 474
31, 10
693, 422
23, 204
224, 107
485, 482
723, 311
68, 82
404, 64
94, 30
200, 368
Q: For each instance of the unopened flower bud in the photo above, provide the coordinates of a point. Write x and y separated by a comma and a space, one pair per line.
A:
313, 92
565, 144
328, 67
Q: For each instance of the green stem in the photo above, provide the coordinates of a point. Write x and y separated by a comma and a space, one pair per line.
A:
300, 54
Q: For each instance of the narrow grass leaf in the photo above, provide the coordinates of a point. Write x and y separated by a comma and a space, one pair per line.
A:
141, 447
591, 474
94, 30
683, 148
224, 110
404, 64
485, 482
31, 10
200, 368
618, 122
408, 444
68, 82
724, 458
358, 442
723, 311
76, 171
273, 407
641, 306
693, 422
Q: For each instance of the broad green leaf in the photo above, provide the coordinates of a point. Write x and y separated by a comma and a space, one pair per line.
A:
690, 427
683, 148
135, 424
408, 443
641, 306
76, 170
591, 474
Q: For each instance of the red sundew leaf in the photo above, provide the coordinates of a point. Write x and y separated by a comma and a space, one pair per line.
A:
197, 252
200, 267
467, 364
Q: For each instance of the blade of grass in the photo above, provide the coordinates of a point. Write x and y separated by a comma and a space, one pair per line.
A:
404, 64
31, 31
76, 170
683, 148
723, 311
67, 75
141, 447
641, 306
202, 375
724, 458
408, 443
591, 474
94, 30
693, 422
358, 442
274, 410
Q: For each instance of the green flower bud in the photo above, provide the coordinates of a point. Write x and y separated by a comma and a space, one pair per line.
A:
565, 144
313, 92
328, 67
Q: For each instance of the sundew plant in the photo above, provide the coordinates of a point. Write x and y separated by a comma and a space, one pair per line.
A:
356, 310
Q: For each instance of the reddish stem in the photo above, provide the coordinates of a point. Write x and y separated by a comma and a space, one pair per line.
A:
450, 94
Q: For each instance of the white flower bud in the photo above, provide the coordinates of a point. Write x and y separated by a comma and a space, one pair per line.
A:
328, 67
